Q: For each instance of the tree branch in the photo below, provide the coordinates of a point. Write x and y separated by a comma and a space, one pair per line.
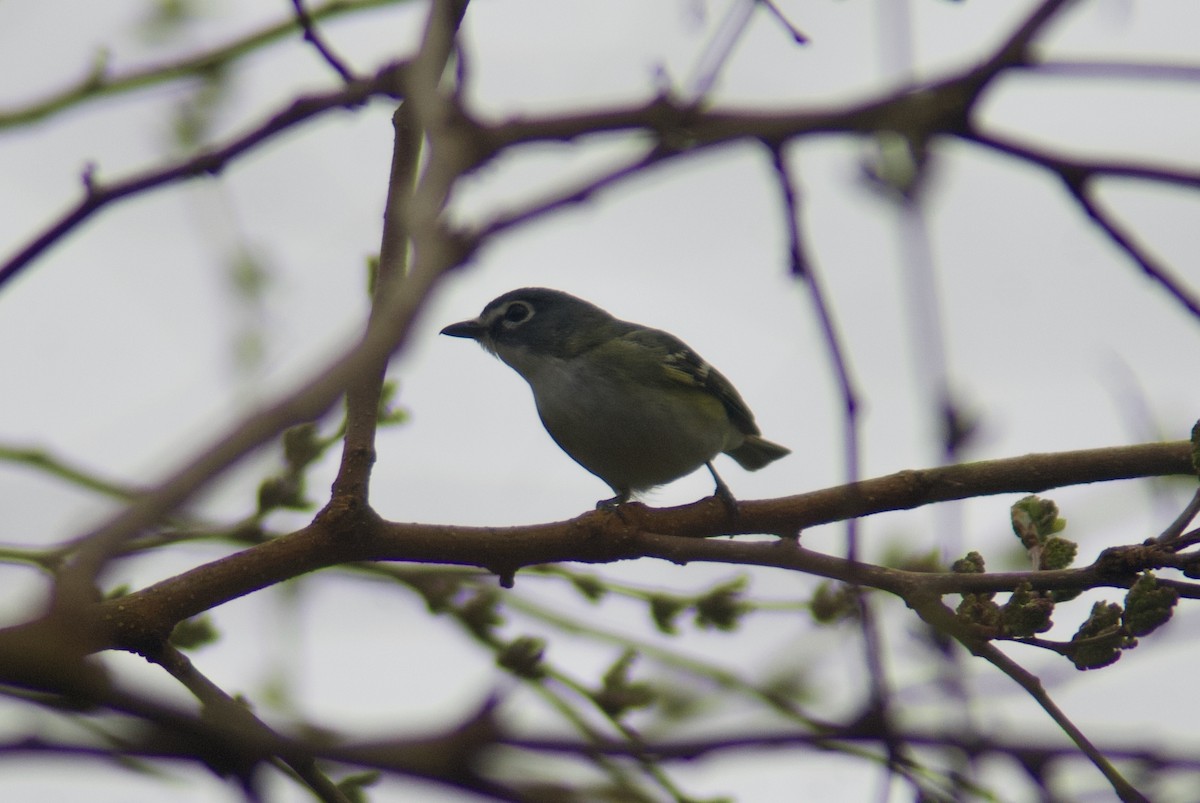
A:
98, 195
97, 84
140, 620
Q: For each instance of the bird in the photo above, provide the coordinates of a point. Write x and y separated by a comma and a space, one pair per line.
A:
633, 405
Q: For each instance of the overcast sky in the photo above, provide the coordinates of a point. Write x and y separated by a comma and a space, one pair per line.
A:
117, 346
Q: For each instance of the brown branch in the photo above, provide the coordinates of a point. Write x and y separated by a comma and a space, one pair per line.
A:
98, 84
233, 743
438, 250
1080, 170
1081, 190
140, 620
1079, 178
580, 194
1107, 69
1016, 50
971, 744
930, 608
235, 717
797, 261
412, 217
921, 110
311, 35
365, 391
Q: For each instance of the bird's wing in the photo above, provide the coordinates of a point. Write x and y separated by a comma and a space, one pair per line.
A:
681, 364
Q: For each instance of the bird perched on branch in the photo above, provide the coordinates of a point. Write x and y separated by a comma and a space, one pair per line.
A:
633, 405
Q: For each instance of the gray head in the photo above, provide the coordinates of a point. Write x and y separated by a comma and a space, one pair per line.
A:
549, 321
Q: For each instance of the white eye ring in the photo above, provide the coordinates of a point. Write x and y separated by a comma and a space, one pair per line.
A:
516, 313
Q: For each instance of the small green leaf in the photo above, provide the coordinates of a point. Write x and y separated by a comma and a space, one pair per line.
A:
193, 633
1035, 519
389, 414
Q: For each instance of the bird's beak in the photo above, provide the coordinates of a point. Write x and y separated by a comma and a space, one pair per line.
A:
473, 329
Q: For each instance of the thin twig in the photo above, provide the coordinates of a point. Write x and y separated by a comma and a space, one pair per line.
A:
930, 608
716, 53
798, 266
1126, 242
99, 195
1067, 166
580, 194
308, 25
1135, 70
98, 84
364, 393
1174, 531
222, 709
798, 36
57, 467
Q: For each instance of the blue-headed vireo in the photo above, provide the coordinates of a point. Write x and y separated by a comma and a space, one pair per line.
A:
633, 405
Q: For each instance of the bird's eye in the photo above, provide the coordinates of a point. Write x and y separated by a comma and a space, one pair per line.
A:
517, 313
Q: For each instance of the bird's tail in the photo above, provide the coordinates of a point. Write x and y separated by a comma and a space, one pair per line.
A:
756, 452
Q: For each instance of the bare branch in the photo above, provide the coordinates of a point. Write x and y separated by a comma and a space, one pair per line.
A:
234, 716
100, 195
98, 84
308, 25
1081, 190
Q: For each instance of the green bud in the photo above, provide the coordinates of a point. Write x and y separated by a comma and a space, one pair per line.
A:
480, 614
592, 588
437, 588
971, 564
1196, 447
1035, 519
388, 413
285, 491
193, 633
1148, 605
1026, 612
301, 446
722, 607
1100, 639
1057, 553
523, 657
833, 603
617, 694
665, 609
979, 610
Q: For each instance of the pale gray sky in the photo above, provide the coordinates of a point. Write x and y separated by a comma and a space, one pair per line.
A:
117, 344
